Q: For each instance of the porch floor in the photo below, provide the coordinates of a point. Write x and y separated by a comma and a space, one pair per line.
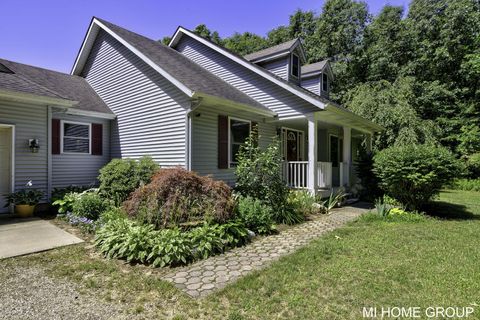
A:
24, 236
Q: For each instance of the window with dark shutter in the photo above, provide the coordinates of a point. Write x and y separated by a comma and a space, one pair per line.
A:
97, 139
222, 142
239, 133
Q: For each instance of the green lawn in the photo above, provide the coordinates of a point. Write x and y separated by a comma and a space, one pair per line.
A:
367, 263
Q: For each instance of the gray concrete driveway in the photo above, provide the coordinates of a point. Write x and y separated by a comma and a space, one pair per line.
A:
23, 236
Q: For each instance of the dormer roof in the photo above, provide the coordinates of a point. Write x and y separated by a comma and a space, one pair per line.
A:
316, 68
277, 51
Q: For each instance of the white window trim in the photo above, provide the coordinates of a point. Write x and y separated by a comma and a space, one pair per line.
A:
297, 76
62, 129
301, 152
232, 164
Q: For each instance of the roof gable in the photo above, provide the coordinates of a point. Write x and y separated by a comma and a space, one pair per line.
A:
292, 88
187, 76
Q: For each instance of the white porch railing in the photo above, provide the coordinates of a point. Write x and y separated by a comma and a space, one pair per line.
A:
295, 174
324, 175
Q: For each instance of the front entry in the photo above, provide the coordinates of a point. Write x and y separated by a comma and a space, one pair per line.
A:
292, 142
336, 156
5, 165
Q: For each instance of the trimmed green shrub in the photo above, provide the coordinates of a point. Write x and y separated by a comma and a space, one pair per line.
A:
413, 174
177, 196
259, 176
136, 242
466, 184
120, 177
89, 204
255, 215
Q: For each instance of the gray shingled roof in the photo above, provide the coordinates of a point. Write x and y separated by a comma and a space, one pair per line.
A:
282, 47
313, 67
53, 84
183, 69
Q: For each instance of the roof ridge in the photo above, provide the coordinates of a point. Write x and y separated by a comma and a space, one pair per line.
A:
271, 47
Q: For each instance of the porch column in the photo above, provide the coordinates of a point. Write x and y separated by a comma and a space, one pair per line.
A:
347, 155
312, 152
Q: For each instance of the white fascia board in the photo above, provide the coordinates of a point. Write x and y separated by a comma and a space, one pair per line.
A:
258, 70
139, 54
81, 56
93, 114
35, 99
208, 99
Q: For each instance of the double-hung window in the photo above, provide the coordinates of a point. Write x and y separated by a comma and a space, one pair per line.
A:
239, 130
76, 137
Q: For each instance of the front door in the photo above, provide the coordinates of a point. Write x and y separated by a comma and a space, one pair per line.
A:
5, 165
293, 145
336, 155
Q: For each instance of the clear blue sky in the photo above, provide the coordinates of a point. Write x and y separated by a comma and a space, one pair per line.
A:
48, 33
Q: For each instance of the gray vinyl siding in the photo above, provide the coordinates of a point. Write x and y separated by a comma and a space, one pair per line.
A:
312, 84
30, 123
278, 67
280, 100
80, 169
205, 140
151, 112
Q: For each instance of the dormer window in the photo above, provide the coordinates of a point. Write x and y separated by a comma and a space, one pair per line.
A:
295, 66
324, 82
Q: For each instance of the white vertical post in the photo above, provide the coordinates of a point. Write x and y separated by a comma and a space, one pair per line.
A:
347, 154
312, 153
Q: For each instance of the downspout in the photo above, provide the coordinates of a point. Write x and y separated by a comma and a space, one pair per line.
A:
49, 152
194, 104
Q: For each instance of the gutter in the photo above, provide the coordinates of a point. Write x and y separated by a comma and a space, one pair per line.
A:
35, 99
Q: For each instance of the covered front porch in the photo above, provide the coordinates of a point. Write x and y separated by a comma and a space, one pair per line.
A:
319, 151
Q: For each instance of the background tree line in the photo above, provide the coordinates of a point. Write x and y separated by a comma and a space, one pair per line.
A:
415, 73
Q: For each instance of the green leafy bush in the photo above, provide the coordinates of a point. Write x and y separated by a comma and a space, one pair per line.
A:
304, 202
24, 196
259, 176
466, 184
255, 215
65, 204
60, 193
120, 177
414, 174
89, 204
136, 242
177, 196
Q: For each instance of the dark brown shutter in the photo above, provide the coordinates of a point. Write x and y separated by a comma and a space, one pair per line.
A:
222, 142
55, 136
255, 133
97, 139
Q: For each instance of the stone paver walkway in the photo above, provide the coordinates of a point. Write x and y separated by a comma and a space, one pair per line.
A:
203, 277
